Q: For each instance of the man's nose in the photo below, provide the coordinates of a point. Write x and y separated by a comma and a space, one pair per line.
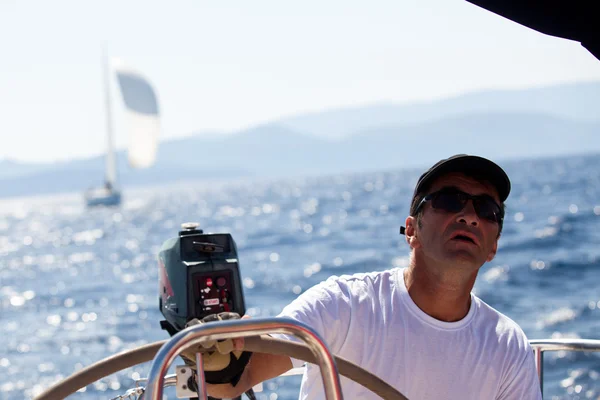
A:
468, 215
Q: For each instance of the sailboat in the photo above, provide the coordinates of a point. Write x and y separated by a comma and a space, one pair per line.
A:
142, 127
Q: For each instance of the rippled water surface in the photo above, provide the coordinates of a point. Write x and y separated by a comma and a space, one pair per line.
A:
78, 285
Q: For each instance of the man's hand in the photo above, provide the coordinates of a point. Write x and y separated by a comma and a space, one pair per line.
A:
261, 367
225, 360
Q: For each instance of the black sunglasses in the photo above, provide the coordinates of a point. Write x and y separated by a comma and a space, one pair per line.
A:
453, 200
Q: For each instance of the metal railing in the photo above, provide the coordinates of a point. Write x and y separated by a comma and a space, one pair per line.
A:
138, 391
542, 345
235, 329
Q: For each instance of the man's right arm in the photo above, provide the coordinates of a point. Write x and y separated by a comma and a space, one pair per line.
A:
261, 367
324, 307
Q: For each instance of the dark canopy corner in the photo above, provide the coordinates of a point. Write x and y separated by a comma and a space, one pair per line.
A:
577, 20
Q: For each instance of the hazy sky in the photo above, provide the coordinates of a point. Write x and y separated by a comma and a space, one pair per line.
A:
226, 65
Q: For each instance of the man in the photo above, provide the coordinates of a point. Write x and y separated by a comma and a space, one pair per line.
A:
420, 328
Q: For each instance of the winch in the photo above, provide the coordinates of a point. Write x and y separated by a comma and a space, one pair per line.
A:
199, 275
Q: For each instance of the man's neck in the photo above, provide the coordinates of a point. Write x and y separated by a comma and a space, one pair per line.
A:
444, 295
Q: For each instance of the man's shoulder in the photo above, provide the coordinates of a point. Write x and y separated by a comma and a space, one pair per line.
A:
505, 328
373, 278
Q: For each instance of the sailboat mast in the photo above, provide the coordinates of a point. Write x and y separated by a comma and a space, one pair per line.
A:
111, 170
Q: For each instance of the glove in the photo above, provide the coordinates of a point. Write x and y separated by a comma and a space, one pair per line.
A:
222, 364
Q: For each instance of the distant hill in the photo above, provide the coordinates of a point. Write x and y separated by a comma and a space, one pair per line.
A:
495, 135
77, 176
279, 150
11, 168
576, 101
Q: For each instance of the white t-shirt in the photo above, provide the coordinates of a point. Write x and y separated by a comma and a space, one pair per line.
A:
371, 320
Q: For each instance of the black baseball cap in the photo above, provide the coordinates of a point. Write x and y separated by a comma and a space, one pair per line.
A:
475, 166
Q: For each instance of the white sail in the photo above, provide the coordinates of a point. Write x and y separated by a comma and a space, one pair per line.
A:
141, 114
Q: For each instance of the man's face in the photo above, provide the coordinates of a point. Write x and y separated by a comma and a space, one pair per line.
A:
461, 238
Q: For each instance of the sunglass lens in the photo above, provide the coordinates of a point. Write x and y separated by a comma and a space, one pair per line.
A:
451, 202
488, 209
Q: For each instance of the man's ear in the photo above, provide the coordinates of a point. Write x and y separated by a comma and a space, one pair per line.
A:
492, 254
411, 232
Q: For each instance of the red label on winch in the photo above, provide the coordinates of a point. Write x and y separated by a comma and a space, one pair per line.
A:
213, 292
211, 302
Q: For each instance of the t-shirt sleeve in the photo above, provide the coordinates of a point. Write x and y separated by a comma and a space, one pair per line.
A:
326, 309
522, 382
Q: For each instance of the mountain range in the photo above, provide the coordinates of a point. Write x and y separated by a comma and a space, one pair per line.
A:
509, 124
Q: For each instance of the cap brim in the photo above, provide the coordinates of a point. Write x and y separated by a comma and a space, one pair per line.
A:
470, 165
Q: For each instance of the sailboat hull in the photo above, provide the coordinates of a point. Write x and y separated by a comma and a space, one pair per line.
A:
103, 197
